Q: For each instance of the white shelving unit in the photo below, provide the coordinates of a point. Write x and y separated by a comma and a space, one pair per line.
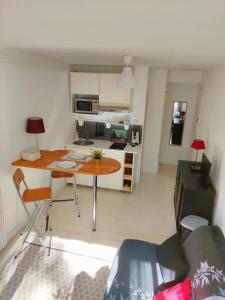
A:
128, 173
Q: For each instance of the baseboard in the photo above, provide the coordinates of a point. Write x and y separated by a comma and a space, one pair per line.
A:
15, 231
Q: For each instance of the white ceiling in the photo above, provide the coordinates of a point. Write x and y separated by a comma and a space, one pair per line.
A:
162, 33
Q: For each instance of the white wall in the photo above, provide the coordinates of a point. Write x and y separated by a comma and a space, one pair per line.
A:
211, 129
140, 94
139, 107
184, 92
153, 119
29, 91
184, 76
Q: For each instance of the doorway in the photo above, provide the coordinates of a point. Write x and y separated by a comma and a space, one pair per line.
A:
179, 122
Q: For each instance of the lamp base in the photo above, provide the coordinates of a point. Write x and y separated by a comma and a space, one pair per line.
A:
31, 154
195, 166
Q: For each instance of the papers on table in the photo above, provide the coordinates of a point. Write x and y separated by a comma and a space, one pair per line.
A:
76, 157
68, 165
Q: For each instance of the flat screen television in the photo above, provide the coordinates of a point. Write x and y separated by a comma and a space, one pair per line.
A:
205, 170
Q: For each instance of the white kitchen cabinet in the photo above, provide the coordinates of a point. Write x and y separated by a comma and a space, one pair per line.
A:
115, 180
111, 181
84, 83
110, 93
103, 84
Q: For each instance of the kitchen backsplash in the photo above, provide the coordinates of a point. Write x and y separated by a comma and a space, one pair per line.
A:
98, 130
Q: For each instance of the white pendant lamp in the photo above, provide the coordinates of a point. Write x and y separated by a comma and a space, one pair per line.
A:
126, 79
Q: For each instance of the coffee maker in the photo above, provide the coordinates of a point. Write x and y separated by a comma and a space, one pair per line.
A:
135, 137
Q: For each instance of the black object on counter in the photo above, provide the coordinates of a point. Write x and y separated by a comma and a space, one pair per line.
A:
99, 129
118, 146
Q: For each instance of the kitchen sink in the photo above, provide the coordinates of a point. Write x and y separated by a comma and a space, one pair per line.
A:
83, 142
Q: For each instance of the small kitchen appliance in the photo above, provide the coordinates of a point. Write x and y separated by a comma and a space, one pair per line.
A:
135, 137
85, 104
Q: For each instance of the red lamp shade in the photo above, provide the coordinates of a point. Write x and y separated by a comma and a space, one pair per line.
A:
198, 144
35, 125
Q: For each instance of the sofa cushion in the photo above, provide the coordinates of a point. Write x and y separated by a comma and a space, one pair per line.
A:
180, 291
135, 273
205, 252
172, 261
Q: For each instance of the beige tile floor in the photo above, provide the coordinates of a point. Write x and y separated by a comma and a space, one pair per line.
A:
147, 214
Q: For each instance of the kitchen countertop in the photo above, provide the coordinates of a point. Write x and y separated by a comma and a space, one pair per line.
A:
106, 144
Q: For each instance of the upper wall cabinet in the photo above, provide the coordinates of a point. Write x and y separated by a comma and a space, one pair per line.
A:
111, 96
85, 83
110, 93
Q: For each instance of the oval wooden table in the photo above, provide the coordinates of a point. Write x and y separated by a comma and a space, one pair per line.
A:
104, 166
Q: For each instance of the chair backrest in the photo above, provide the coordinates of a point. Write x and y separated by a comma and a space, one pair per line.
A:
18, 176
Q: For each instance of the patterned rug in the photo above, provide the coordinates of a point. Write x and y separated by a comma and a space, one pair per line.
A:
35, 275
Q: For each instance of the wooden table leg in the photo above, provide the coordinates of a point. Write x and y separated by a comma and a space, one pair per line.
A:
94, 202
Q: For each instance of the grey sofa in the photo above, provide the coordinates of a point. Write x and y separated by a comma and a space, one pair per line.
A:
139, 269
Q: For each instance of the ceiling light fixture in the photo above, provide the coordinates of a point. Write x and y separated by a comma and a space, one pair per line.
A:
126, 79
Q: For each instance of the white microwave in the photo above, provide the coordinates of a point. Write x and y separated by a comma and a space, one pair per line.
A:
85, 104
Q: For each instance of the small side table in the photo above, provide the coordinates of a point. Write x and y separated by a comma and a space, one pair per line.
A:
189, 224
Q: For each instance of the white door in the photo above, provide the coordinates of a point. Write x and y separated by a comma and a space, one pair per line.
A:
84, 83
110, 93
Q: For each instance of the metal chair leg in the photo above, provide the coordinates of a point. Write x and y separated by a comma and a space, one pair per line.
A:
76, 196
47, 227
30, 225
51, 186
39, 205
29, 216
45, 217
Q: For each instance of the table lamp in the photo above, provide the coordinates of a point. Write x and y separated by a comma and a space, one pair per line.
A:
197, 144
35, 125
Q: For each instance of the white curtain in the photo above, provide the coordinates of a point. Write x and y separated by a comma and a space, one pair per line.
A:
3, 240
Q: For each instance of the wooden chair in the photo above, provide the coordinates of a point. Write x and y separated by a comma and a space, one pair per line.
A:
41, 197
55, 175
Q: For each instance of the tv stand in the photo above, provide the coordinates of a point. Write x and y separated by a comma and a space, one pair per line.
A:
191, 197
195, 166
204, 183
